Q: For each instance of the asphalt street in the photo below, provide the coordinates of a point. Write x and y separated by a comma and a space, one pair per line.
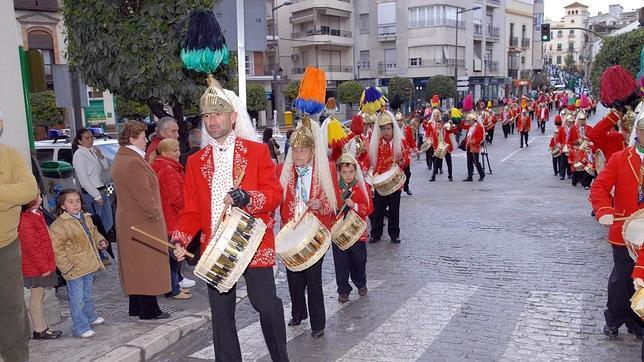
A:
511, 268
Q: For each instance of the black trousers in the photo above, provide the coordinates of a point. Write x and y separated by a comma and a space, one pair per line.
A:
489, 135
563, 166
438, 163
620, 290
260, 285
144, 306
309, 281
380, 204
542, 126
473, 161
531, 113
506, 130
522, 136
555, 164
407, 171
582, 177
350, 263
429, 157
512, 127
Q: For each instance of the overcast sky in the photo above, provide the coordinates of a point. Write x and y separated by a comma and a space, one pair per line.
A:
555, 8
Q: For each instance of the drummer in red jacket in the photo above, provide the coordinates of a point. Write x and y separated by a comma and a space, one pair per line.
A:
606, 138
442, 136
523, 126
353, 261
623, 174
310, 184
473, 140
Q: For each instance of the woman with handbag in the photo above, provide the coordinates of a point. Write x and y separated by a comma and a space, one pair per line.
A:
273, 146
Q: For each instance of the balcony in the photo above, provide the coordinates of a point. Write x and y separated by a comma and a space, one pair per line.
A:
364, 65
513, 73
324, 30
514, 42
387, 68
438, 62
478, 30
492, 66
387, 32
327, 68
324, 34
36, 5
300, 5
494, 2
526, 74
525, 43
492, 32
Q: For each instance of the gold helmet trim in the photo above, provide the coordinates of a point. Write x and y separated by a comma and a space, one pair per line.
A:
214, 100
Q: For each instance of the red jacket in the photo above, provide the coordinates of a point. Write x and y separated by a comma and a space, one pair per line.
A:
289, 204
474, 138
252, 158
577, 155
543, 114
622, 172
170, 175
385, 157
523, 123
604, 137
35, 245
489, 121
574, 134
409, 137
152, 147
364, 206
446, 138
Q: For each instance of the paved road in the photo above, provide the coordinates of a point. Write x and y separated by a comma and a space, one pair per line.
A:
512, 268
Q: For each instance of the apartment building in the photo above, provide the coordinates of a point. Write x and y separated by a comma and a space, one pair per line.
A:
519, 43
564, 42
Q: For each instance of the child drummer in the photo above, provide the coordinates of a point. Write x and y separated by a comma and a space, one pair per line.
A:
353, 261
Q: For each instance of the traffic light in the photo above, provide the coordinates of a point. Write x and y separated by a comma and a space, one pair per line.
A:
545, 32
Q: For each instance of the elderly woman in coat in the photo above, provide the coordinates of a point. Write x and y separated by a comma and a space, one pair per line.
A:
143, 265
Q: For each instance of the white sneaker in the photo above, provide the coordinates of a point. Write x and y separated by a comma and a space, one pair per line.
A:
187, 283
88, 334
99, 320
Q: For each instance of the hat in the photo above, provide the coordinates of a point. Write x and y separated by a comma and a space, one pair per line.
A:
581, 115
640, 121
347, 158
372, 100
214, 100
303, 135
310, 97
399, 116
384, 119
617, 86
627, 121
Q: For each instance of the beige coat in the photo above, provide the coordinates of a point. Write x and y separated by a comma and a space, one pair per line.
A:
143, 263
76, 254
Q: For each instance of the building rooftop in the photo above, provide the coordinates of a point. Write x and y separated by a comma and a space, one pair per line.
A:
576, 5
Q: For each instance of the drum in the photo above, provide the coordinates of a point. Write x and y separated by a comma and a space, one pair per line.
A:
600, 161
633, 232
590, 169
301, 246
441, 151
578, 166
426, 144
556, 151
345, 232
389, 181
637, 303
230, 250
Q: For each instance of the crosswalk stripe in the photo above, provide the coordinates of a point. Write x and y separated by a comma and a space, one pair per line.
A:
407, 333
547, 328
251, 338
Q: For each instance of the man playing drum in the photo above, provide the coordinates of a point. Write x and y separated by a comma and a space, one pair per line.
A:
386, 149
310, 185
233, 169
353, 261
443, 137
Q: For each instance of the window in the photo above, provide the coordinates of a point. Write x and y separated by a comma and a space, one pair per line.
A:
95, 93
364, 59
437, 15
522, 60
559, 47
558, 59
44, 154
249, 61
363, 23
559, 34
571, 32
65, 154
415, 62
387, 13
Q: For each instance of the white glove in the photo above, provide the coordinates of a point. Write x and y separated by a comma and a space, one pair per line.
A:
638, 283
606, 220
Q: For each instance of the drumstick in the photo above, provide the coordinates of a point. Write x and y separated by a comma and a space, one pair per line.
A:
160, 241
301, 217
628, 217
337, 216
227, 207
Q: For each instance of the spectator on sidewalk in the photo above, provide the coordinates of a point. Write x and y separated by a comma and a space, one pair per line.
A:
288, 138
143, 263
167, 127
170, 174
76, 242
273, 147
17, 187
90, 166
194, 140
38, 265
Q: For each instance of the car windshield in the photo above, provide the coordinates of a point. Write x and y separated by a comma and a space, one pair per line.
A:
109, 150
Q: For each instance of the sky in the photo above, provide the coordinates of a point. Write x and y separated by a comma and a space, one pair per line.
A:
554, 8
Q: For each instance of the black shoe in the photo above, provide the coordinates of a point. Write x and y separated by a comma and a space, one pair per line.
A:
610, 331
47, 334
363, 291
469, 179
343, 298
440, 170
374, 240
395, 240
432, 179
449, 178
408, 192
163, 315
637, 332
481, 177
527, 145
562, 177
294, 322
317, 334
521, 147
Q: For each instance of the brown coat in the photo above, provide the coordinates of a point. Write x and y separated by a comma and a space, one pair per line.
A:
76, 254
143, 264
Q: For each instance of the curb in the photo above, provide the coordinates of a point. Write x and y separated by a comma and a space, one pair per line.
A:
163, 336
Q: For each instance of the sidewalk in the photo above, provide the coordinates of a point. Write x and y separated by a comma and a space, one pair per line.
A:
121, 337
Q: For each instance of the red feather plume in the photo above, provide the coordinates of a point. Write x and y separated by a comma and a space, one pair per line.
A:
616, 84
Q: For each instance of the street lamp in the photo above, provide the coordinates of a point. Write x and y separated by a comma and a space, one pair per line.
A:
459, 12
276, 55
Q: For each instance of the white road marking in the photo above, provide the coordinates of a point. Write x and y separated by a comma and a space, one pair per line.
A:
407, 333
520, 149
251, 339
548, 328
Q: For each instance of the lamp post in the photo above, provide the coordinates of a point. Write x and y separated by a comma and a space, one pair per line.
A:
276, 54
459, 12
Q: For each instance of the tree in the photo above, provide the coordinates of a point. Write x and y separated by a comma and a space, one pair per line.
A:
255, 98
292, 90
401, 87
131, 48
130, 109
623, 49
44, 110
569, 61
442, 85
539, 81
349, 92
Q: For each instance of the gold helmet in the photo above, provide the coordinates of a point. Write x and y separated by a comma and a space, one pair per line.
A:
214, 100
383, 119
303, 135
627, 121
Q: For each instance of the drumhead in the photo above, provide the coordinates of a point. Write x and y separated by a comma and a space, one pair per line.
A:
288, 237
634, 232
386, 175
